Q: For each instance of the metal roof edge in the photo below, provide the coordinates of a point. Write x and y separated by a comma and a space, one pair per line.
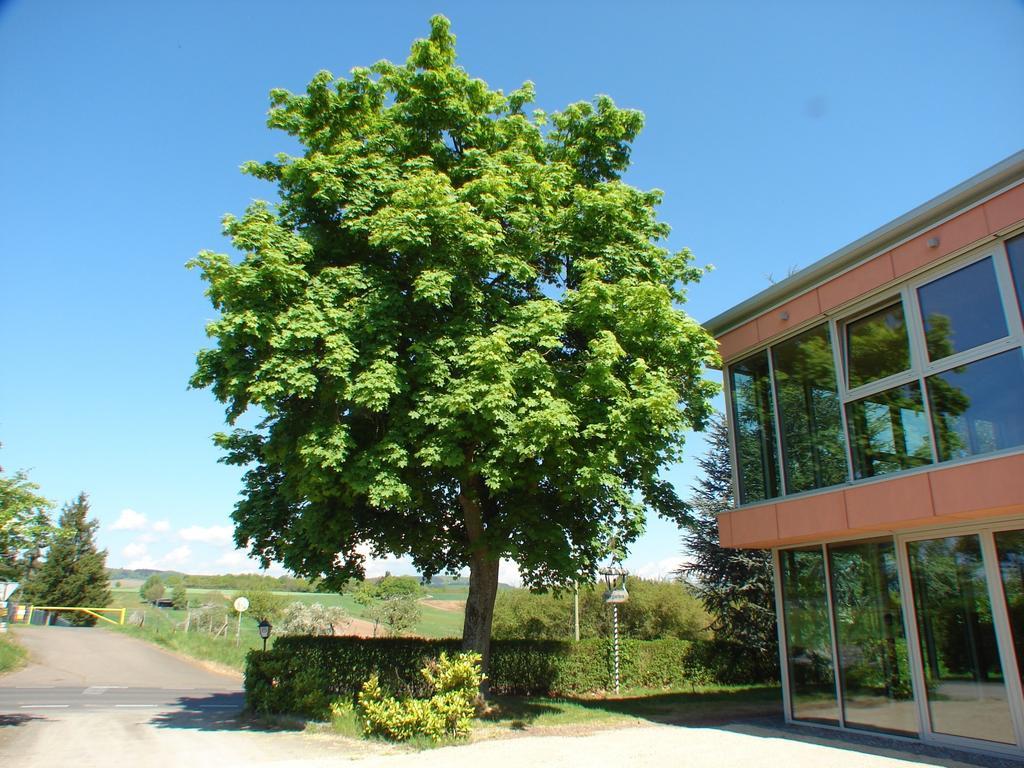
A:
1003, 174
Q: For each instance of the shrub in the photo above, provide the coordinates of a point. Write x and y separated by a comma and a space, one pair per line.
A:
304, 675
447, 713
301, 619
655, 610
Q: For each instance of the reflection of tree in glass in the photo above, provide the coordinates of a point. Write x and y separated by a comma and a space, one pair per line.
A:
877, 346
948, 402
1010, 545
758, 464
953, 610
939, 336
812, 435
808, 637
889, 431
869, 621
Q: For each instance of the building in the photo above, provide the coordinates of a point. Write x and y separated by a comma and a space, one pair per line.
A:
876, 415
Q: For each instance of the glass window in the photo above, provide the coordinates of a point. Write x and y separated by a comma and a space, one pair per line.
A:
1015, 250
813, 450
808, 635
873, 664
1010, 546
754, 426
877, 346
964, 678
962, 310
889, 431
978, 408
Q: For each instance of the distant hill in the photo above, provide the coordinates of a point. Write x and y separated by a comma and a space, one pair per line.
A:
121, 574
255, 580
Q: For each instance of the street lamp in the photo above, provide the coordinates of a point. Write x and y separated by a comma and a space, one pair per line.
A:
615, 578
265, 627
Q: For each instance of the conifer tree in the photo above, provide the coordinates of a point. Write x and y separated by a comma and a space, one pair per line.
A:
735, 585
75, 572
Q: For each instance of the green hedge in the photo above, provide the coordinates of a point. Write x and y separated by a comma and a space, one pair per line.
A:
303, 675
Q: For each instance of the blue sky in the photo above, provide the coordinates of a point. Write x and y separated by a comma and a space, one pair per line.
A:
778, 131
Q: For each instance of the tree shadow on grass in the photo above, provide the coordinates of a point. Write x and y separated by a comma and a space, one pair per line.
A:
220, 712
693, 708
517, 712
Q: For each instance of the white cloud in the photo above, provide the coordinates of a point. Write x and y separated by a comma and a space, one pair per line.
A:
161, 526
508, 573
214, 534
130, 520
143, 562
660, 570
177, 556
135, 550
237, 561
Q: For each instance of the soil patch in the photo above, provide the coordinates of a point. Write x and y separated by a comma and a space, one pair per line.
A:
452, 606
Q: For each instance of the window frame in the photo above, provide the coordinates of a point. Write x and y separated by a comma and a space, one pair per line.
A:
920, 368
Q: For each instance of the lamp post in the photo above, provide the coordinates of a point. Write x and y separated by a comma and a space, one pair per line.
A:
265, 627
615, 578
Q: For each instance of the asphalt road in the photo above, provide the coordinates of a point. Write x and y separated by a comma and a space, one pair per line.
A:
92, 697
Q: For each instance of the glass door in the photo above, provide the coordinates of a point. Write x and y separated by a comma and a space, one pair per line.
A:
965, 689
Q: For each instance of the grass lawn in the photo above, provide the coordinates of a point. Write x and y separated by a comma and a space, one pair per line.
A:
702, 706
162, 624
12, 655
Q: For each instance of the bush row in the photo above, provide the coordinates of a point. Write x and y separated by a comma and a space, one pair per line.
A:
303, 675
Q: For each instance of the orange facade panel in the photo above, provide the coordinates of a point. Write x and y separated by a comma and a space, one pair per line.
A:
812, 517
857, 282
980, 489
1005, 210
753, 527
959, 232
732, 344
789, 315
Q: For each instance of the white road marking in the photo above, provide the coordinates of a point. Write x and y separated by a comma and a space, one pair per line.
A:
45, 706
133, 705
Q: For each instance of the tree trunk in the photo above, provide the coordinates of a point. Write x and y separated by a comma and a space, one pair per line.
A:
483, 580
476, 629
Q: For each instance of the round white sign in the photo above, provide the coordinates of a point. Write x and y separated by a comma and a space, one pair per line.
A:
241, 604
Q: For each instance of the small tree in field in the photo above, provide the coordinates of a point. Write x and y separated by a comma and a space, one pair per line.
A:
264, 605
735, 585
460, 330
152, 588
179, 597
74, 572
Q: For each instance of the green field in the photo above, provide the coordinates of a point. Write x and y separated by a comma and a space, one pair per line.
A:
163, 625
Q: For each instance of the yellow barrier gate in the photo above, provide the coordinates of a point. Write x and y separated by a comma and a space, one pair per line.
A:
91, 611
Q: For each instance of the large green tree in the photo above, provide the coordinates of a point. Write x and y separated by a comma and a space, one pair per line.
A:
74, 572
459, 331
25, 526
